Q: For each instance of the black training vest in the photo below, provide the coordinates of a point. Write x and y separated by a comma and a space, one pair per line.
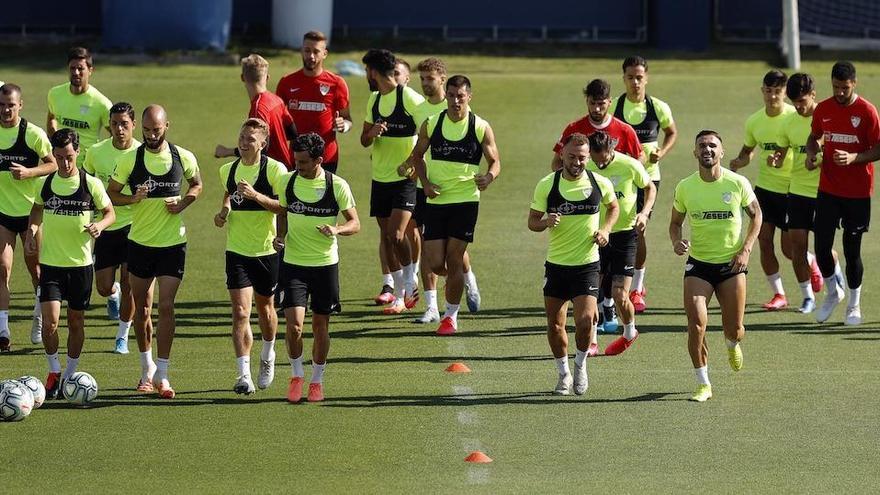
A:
587, 206
467, 150
400, 123
158, 186
327, 206
262, 186
648, 130
20, 152
76, 204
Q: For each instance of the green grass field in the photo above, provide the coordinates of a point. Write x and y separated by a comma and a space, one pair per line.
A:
800, 417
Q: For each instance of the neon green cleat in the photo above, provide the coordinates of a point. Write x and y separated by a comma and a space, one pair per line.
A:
703, 393
735, 358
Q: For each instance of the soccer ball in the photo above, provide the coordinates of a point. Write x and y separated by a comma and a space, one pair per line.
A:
16, 402
36, 387
6, 384
80, 388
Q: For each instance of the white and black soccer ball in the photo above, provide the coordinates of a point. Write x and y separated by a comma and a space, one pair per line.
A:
4, 384
16, 402
37, 389
80, 388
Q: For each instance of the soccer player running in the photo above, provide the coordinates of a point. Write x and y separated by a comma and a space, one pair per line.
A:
568, 204
627, 175
155, 173
64, 203
249, 200
457, 140
25, 154
311, 199
598, 98
718, 256
851, 131
390, 128
647, 115
111, 248
802, 190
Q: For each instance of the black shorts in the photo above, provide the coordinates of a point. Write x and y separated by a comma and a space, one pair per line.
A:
73, 285
149, 262
456, 220
321, 283
15, 224
421, 204
330, 167
259, 272
640, 198
714, 273
387, 196
618, 257
801, 212
111, 248
832, 212
774, 207
568, 282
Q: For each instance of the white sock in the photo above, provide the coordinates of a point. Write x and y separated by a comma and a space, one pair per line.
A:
317, 372
562, 365
629, 330
296, 367
580, 359
731, 344
608, 302
244, 365
116, 291
147, 365
399, 284
702, 375
807, 290
4, 322
54, 363
470, 279
775, 282
431, 299
838, 273
70, 369
855, 295
388, 280
267, 353
122, 331
594, 334
409, 276
452, 311
638, 280
161, 369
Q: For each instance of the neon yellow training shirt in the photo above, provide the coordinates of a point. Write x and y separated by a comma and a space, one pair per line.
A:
17, 196
250, 232
635, 114
794, 134
455, 179
101, 162
389, 152
627, 175
86, 113
762, 132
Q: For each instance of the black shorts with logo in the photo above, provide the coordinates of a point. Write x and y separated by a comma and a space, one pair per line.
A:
387, 196
421, 204
852, 214
774, 207
569, 282
15, 224
111, 248
320, 283
801, 212
149, 262
618, 257
73, 284
714, 273
456, 220
260, 272
640, 197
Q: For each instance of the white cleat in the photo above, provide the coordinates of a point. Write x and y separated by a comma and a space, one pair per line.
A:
432, 315
244, 385
267, 373
831, 301
808, 306
581, 383
853, 315
563, 386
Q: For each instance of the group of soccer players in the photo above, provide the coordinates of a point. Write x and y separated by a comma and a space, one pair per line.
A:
283, 199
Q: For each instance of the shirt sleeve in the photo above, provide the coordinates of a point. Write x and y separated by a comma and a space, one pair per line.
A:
40, 142
280, 186
223, 173
368, 115
664, 113
38, 186
748, 193
749, 139
105, 116
342, 99
539, 198
816, 123
50, 102
607, 188
89, 162
640, 175
412, 100
678, 199
782, 139
275, 174
124, 166
190, 165
873, 132
343, 194
99, 194
565, 133
634, 147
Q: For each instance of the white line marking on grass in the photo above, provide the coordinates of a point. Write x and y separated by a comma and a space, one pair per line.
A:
456, 348
471, 444
478, 475
467, 418
462, 392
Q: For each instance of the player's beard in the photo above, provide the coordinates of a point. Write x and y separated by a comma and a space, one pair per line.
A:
155, 144
708, 162
309, 65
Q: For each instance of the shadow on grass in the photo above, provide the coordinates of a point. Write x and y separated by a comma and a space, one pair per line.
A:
531, 398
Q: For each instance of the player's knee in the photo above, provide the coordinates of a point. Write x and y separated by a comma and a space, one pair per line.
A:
104, 289
166, 307
556, 329
240, 312
295, 330
50, 326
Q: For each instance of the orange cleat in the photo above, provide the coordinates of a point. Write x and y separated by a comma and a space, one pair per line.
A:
638, 301
53, 386
447, 326
618, 345
816, 279
410, 300
386, 296
778, 302
295, 389
316, 392
593, 350
164, 389
145, 387
395, 308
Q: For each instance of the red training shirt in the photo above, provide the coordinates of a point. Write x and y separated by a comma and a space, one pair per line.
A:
623, 137
313, 103
271, 109
854, 128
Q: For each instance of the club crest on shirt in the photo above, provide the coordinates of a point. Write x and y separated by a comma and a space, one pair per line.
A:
726, 197
324, 89
236, 198
855, 121
83, 109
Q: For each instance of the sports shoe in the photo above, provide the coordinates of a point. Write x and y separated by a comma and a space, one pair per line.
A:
581, 383
53, 386
816, 279
113, 302
447, 326
395, 308
638, 301
618, 345
145, 387
386, 296
831, 301
431, 315
610, 325
316, 392
5, 345
411, 298
601, 323
853, 315
472, 296
244, 385
735, 357
703, 393
267, 373
295, 389
37, 329
121, 346
163, 387
563, 386
776, 303
808, 305
593, 350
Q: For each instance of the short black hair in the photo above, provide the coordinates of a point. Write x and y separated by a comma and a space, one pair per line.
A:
635, 61
843, 71
708, 132
380, 59
123, 107
600, 141
598, 89
79, 53
310, 142
798, 85
775, 79
459, 81
9, 88
63, 137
